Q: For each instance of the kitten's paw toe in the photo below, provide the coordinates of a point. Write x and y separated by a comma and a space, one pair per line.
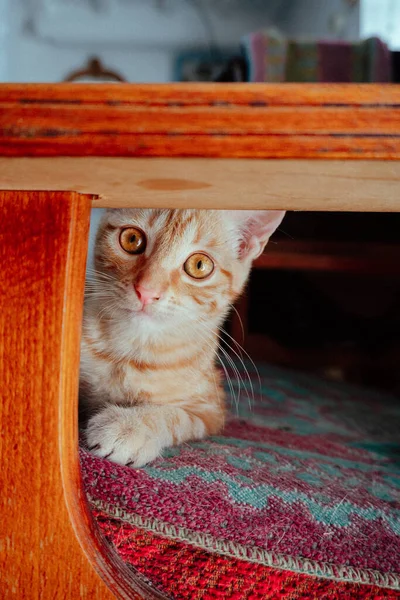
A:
122, 436
102, 449
144, 453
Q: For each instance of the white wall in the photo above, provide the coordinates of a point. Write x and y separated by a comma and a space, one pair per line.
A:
137, 39
140, 40
4, 40
381, 18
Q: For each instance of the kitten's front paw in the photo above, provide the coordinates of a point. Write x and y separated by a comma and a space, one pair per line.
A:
127, 436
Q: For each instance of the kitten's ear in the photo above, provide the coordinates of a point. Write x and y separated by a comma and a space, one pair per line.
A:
256, 227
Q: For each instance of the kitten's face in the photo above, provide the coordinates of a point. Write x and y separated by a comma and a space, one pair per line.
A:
161, 269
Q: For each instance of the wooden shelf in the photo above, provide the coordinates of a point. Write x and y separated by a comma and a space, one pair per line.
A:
369, 258
172, 146
330, 185
207, 120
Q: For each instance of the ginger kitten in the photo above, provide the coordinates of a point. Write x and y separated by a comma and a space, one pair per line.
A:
163, 283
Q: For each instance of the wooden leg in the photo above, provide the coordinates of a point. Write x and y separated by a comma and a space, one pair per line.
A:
43, 241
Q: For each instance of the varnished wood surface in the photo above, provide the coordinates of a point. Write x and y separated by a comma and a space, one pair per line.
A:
331, 185
214, 120
43, 239
177, 94
43, 243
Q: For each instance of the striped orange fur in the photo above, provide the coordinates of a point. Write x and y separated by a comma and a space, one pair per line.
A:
149, 378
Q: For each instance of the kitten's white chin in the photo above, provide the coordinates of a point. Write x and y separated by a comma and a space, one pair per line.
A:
153, 320
144, 316
147, 319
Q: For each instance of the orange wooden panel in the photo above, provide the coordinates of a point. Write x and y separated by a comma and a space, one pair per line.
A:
42, 249
213, 146
43, 240
287, 94
201, 120
240, 120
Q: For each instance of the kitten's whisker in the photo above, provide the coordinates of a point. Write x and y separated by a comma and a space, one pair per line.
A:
228, 380
227, 376
215, 332
100, 293
240, 320
100, 274
108, 306
215, 381
234, 368
235, 397
250, 399
237, 372
100, 285
232, 364
237, 375
241, 349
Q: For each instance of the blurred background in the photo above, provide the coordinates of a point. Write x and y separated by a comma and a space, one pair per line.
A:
175, 40
325, 296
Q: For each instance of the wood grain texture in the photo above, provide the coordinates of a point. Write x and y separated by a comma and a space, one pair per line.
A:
176, 94
213, 183
208, 120
43, 243
43, 239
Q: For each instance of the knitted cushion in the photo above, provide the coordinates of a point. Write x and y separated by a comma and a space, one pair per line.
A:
306, 481
184, 572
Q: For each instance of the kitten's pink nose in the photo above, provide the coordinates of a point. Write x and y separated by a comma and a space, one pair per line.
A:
146, 296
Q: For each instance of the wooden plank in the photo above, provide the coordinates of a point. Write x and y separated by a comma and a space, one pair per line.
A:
241, 120
28, 120
286, 94
370, 258
43, 245
213, 146
44, 510
211, 183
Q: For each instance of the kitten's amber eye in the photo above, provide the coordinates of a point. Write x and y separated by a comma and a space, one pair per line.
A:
199, 266
133, 240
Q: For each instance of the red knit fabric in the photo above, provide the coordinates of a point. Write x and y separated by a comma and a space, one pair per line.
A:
184, 572
306, 480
